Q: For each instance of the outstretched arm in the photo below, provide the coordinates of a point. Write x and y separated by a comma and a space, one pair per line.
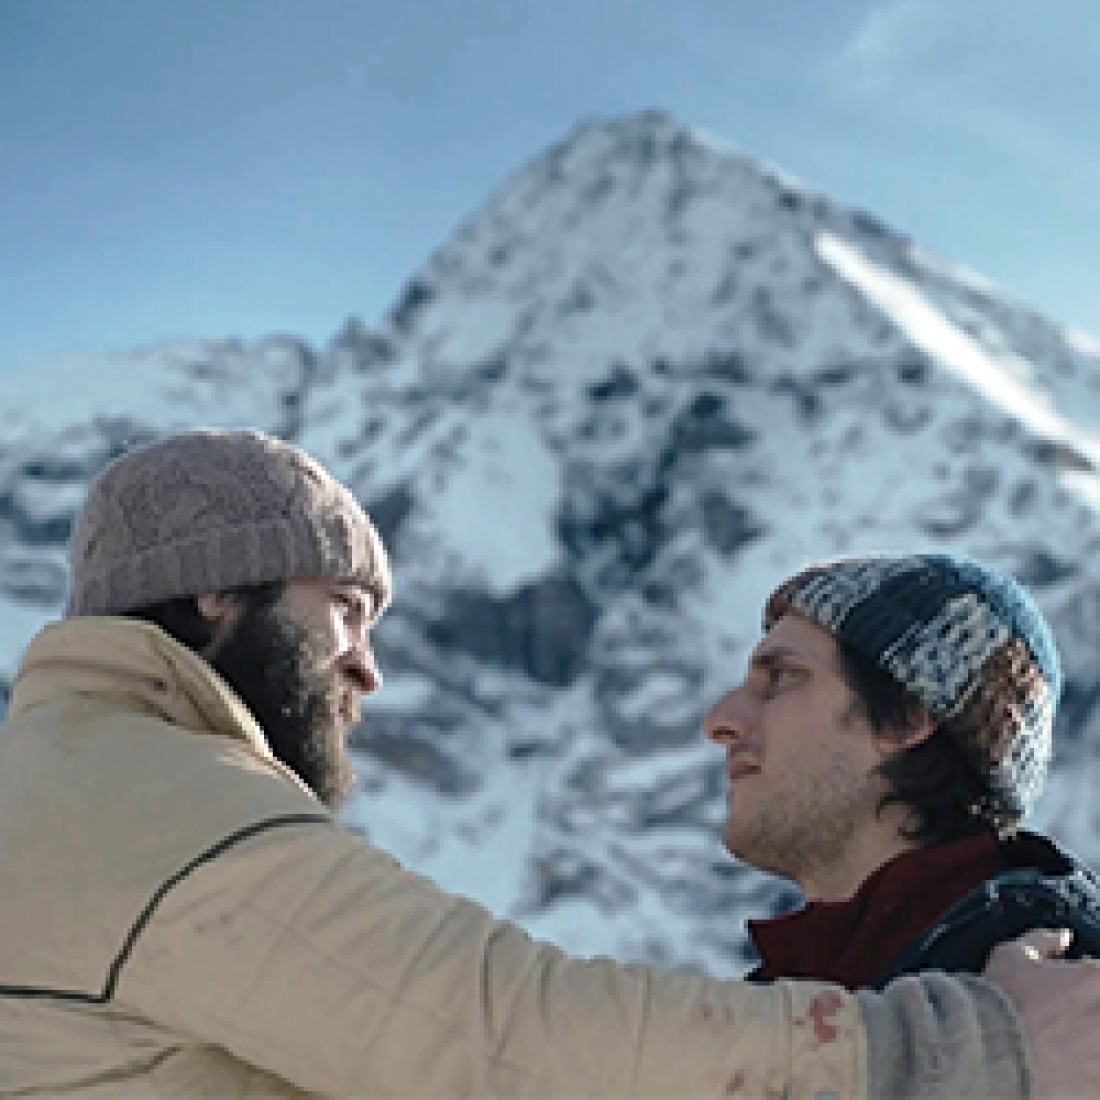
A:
312, 956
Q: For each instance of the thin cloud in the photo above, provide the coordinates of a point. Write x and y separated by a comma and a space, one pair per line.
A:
885, 43
1014, 78
1019, 50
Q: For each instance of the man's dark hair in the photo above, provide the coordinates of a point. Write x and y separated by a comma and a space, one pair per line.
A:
949, 794
181, 619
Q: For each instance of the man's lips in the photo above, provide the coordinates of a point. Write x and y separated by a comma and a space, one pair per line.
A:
740, 766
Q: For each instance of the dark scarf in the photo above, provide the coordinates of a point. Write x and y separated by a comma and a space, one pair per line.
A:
853, 942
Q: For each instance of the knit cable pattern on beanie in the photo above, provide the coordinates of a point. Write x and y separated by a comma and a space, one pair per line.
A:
211, 510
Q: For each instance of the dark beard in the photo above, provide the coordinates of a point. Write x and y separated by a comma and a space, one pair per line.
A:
271, 662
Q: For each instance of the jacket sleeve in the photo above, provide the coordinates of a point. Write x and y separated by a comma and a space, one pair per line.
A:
935, 1035
311, 955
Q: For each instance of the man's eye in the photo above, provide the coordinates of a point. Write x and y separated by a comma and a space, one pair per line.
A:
777, 678
347, 604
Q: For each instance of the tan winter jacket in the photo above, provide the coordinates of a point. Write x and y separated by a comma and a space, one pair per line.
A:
179, 917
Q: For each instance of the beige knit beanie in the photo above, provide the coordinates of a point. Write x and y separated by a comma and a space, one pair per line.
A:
209, 510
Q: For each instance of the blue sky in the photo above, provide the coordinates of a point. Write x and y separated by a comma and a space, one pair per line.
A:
243, 167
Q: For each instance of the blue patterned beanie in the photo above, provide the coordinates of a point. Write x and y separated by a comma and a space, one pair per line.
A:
959, 636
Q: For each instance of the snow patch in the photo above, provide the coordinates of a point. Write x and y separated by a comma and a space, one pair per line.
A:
495, 509
1005, 381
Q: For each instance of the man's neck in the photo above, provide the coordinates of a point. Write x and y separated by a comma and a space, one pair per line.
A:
842, 878
856, 940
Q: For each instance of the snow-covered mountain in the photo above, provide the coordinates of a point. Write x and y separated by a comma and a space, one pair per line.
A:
646, 381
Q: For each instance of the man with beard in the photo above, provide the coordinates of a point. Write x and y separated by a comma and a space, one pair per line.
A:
270, 645
893, 730
182, 915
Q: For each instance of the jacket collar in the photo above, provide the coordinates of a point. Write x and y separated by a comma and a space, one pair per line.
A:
852, 942
110, 656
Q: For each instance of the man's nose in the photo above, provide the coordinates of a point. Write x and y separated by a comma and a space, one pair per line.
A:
360, 666
725, 721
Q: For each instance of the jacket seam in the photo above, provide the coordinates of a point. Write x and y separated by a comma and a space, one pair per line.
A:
114, 971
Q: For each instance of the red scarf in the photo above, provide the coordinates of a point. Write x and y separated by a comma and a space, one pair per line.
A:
852, 942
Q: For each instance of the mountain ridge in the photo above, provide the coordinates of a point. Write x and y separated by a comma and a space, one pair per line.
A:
641, 384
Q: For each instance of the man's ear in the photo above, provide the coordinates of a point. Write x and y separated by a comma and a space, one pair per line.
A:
920, 727
222, 612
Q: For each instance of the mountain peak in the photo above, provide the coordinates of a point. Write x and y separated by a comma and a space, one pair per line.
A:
647, 379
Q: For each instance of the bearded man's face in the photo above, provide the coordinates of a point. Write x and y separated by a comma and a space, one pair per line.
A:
300, 665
